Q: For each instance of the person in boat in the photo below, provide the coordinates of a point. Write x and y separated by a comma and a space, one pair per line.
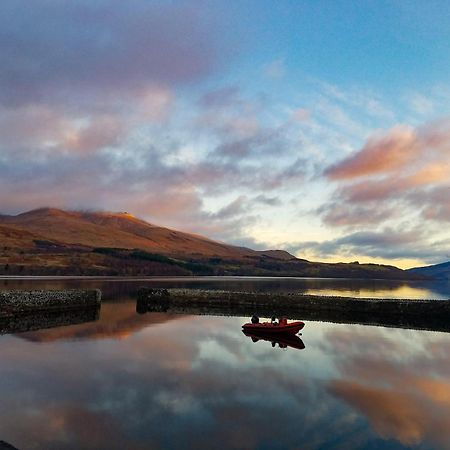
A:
279, 321
255, 319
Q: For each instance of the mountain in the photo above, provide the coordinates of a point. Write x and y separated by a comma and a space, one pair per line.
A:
437, 271
49, 241
105, 229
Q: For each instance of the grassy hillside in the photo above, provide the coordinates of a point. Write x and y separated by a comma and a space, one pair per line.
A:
103, 229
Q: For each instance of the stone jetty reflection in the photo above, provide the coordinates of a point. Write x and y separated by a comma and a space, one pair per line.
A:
22, 311
44, 320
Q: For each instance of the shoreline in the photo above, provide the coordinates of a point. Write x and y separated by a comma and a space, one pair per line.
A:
203, 277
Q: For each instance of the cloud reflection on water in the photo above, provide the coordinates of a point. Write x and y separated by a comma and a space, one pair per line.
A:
197, 382
399, 381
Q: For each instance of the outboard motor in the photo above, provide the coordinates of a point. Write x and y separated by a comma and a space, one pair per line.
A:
255, 318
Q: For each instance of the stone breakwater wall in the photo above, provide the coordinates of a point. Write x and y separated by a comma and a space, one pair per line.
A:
14, 303
404, 313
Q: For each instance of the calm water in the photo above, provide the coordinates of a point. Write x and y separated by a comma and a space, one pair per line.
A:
159, 381
115, 287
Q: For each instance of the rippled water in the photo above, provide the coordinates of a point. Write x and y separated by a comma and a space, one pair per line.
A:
159, 381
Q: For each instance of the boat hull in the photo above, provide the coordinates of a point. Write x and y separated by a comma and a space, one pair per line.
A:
267, 327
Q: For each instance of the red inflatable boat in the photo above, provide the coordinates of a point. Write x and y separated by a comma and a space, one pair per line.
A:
270, 327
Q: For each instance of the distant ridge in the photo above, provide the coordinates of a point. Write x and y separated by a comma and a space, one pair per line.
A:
436, 271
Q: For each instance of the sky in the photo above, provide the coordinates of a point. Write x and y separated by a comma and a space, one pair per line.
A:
318, 127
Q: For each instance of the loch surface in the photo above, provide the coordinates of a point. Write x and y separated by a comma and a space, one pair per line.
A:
171, 381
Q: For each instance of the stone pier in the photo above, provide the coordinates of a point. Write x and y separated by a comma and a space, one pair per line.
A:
23, 302
33, 310
403, 313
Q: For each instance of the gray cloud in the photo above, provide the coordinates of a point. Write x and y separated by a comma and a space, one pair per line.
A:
351, 215
228, 96
388, 243
269, 201
49, 49
435, 201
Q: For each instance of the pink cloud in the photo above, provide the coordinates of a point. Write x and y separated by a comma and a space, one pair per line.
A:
44, 128
103, 131
154, 102
404, 171
382, 153
301, 115
375, 378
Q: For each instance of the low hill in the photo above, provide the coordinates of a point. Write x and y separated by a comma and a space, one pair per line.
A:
50, 241
437, 271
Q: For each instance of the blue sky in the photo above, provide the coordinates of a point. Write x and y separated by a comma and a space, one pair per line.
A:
320, 127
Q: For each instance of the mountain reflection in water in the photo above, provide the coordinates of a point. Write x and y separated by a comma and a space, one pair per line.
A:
159, 381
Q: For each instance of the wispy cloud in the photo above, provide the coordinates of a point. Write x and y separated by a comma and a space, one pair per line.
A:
402, 172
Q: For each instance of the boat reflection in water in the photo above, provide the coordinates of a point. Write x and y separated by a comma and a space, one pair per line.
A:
284, 340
